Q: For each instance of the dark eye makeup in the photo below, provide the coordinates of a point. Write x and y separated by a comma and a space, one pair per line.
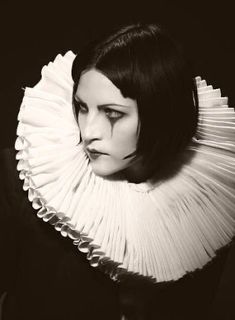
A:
112, 114
79, 106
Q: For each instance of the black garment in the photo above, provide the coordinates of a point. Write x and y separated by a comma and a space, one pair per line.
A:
46, 277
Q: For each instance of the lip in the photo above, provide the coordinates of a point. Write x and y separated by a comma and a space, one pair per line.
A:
93, 153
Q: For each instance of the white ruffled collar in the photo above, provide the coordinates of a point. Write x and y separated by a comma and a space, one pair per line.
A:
160, 231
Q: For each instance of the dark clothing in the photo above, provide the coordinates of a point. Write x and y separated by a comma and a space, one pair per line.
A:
46, 277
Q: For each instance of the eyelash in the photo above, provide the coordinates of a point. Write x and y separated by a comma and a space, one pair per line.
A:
82, 109
117, 116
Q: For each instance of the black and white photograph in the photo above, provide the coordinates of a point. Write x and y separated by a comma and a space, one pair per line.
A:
117, 160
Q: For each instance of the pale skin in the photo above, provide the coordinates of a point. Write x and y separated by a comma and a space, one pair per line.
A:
109, 123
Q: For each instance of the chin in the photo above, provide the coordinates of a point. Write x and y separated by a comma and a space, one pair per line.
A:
104, 171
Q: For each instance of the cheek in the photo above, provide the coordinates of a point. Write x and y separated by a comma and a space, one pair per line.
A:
125, 138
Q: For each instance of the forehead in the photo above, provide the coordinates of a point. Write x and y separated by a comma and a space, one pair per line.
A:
95, 87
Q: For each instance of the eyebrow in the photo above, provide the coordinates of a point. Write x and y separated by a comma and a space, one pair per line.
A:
78, 99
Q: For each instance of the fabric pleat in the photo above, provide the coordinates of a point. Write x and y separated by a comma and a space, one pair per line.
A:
158, 230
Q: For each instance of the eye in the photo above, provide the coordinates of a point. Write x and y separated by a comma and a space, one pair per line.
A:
82, 108
113, 114
79, 107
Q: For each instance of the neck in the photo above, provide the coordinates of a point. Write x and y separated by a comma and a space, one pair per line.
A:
137, 172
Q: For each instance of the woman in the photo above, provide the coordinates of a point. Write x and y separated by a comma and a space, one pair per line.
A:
120, 159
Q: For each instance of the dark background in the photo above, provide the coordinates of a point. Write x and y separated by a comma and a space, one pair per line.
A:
33, 33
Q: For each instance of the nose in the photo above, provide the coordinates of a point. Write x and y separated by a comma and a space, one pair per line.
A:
91, 128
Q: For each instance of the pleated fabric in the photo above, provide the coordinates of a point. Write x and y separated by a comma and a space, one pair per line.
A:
157, 230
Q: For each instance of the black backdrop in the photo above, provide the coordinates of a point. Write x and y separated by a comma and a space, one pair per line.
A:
33, 33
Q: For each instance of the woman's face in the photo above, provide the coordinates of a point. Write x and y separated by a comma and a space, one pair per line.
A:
108, 123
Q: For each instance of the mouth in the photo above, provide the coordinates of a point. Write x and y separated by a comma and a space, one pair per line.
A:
94, 154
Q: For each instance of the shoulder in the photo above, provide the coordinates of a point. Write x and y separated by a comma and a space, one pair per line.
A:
195, 291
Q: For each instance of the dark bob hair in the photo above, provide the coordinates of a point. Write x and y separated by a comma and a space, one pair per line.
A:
147, 66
